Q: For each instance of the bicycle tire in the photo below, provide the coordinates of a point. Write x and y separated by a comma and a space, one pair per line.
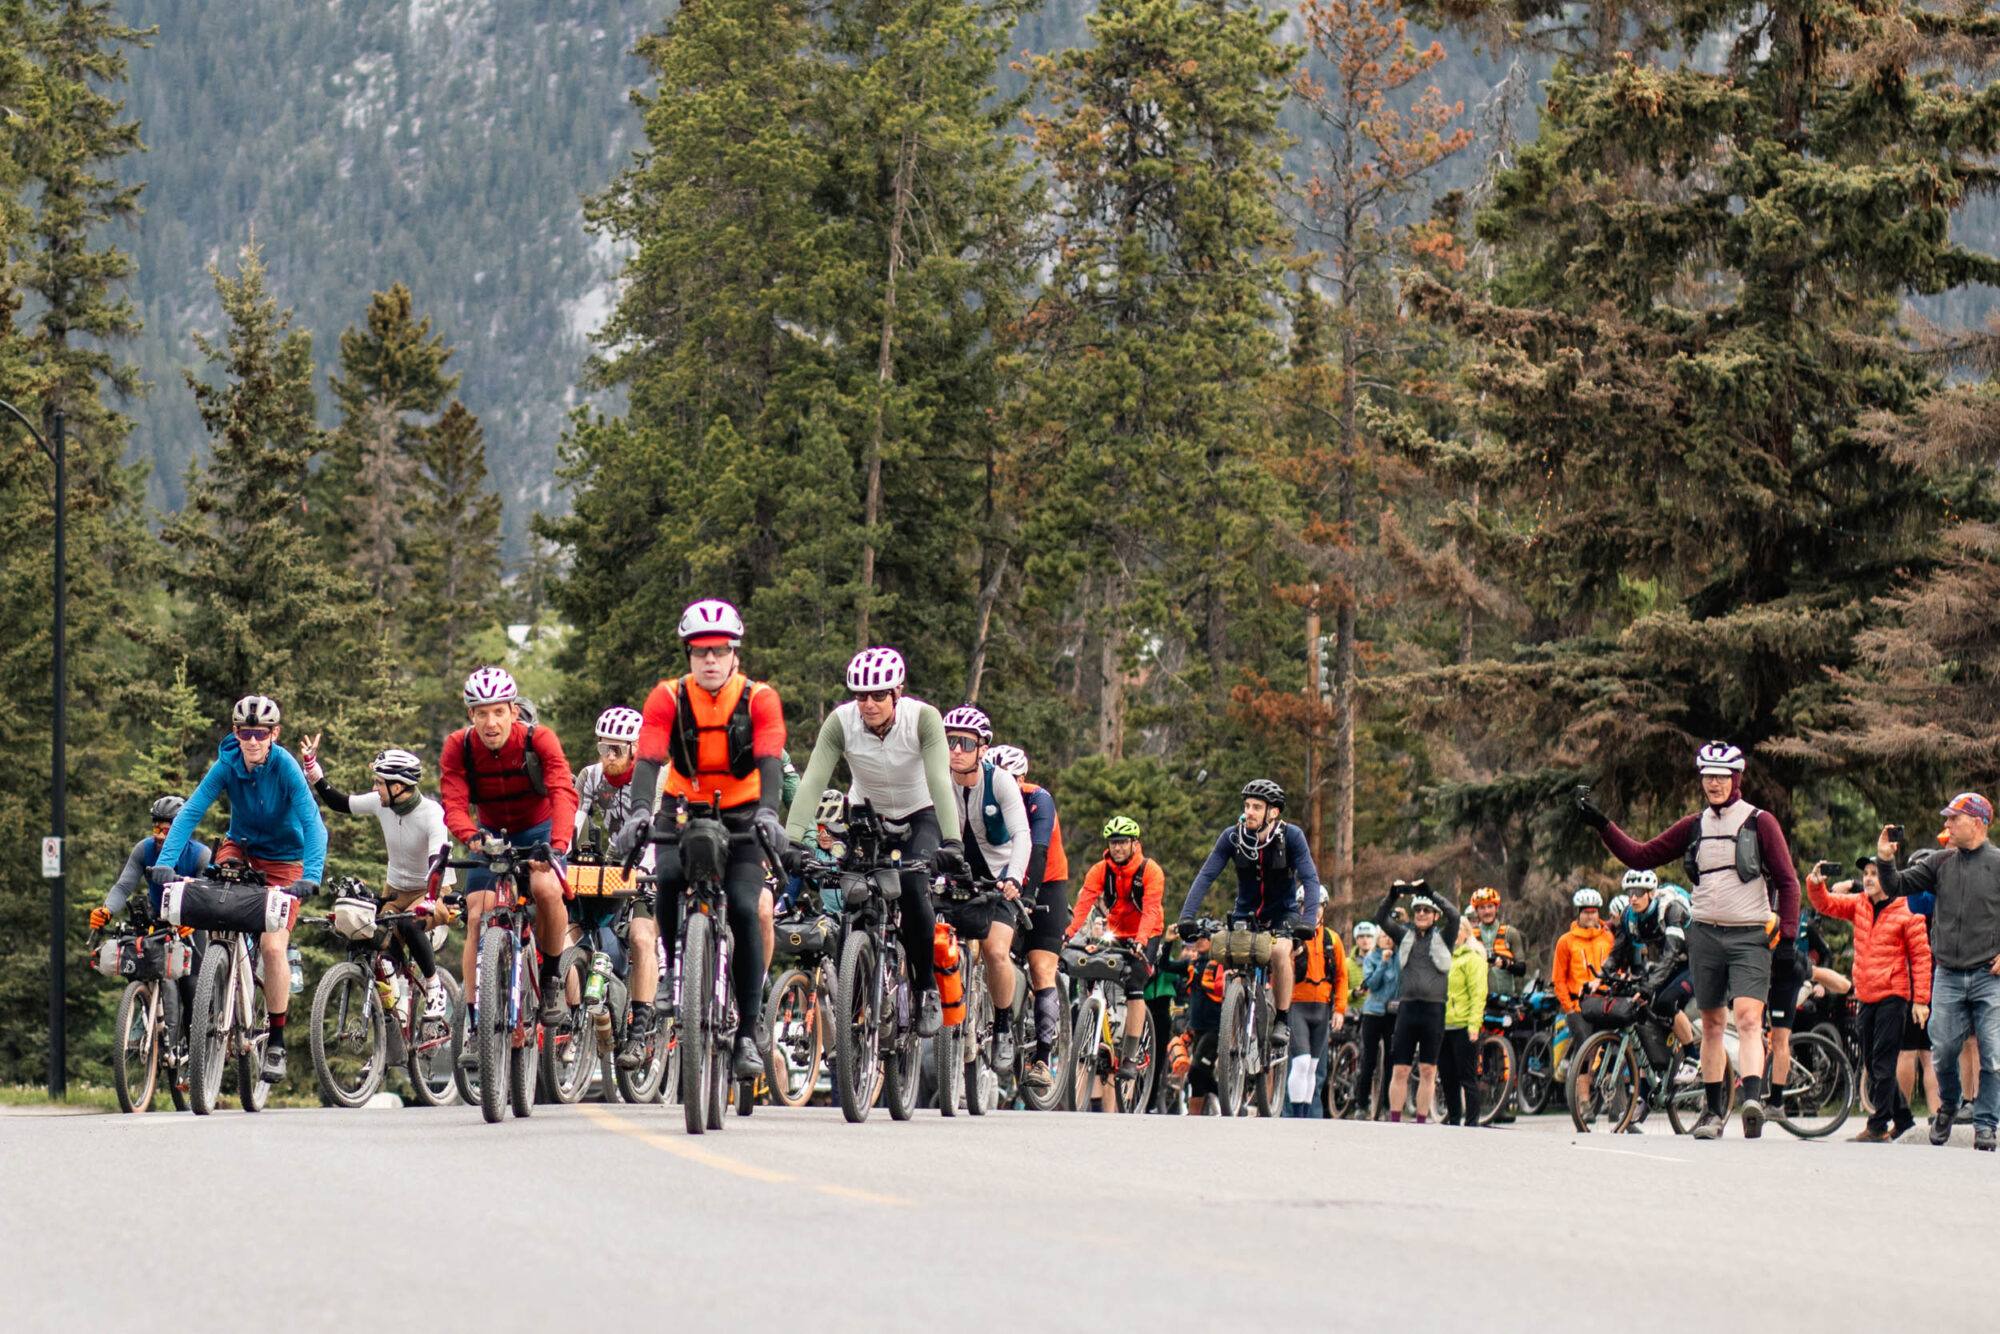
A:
978, 1032
568, 1053
1685, 1096
696, 1039
1135, 1089
431, 1067
1496, 1075
1830, 1087
857, 1018
207, 1042
135, 1057
252, 1093
1087, 1046
1264, 1094
490, 1038
360, 1022
792, 1059
947, 1057
1229, 1047
466, 1080
902, 1071
521, 1073
649, 1080
1061, 1093
1343, 1080
1590, 1062
1536, 1075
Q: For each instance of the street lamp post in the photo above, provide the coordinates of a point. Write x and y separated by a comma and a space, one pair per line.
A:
58, 761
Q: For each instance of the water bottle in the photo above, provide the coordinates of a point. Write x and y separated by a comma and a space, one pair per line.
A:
298, 969
385, 987
600, 973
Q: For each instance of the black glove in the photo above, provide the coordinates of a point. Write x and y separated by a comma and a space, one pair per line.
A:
625, 843
1150, 951
1518, 967
1188, 928
160, 875
1297, 927
1587, 811
771, 830
307, 890
793, 859
950, 858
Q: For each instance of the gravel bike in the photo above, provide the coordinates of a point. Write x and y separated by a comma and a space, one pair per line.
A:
969, 1072
1243, 1055
230, 1022
875, 1007
503, 1015
1100, 968
597, 1001
146, 1032
368, 1011
799, 1014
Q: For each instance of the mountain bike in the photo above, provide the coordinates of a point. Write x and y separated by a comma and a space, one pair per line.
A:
367, 1017
968, 1066
1243, 1055
1100, 969
146, 1033
875, 1007
1624, 1068
1818, 1095
799, 1014
503, 1014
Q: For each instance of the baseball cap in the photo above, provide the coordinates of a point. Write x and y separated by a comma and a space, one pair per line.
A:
1970, 803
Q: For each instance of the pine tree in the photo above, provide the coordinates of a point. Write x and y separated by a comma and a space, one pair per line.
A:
454, 548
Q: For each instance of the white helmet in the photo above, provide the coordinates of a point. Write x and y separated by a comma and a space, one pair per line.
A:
876, 669
619, 723
1586, 898
832, 808
490, 685
1619, 904
1635, 881
398, 766
712, 616
966, 718
1011, 758
254, 711
1718, 757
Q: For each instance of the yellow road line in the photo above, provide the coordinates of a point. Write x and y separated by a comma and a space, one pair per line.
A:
684, 1147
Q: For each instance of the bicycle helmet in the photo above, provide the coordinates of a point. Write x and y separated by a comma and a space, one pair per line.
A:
1718, 757
166, 808
832, 809
1486, 895
876, 669
1619, 903
712, 618
967, 718
1265, 791
398, 766
254, 711
1121, 826
1586, 898
525, 709
618, 723
490, 685
1635, 881
1365, 929
1011, 758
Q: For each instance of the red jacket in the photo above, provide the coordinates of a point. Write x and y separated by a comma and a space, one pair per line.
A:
1892, 946
500, 790
1140, 920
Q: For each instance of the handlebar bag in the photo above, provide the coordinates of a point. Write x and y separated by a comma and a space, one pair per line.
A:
705, 850
1240, 947
803, 935
1609, 1011
160, 955
1100, 966
354, 918
208, 905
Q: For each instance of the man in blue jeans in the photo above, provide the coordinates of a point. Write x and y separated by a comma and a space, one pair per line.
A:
1965, 943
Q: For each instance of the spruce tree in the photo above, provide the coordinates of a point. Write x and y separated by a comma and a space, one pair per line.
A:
454, 548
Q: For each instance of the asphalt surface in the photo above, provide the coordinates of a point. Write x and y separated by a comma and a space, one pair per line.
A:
602, 1217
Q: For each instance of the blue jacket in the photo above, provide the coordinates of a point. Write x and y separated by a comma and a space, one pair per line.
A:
1266, 885
1382, 977
272, 813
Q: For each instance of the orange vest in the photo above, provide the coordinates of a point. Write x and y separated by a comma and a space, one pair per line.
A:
713, 773
1314, 982
1056, 867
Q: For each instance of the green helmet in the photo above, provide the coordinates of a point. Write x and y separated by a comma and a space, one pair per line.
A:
1121, 826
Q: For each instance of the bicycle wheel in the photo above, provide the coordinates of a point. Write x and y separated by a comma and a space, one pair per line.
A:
1685, 1098
1343, 1078
253, 1033
135, 1050
649, 1080
348, 1035
856, 1028
1536, 1075
1820, 1090
1589, 1094
1496, 1075
1088, 1046
208, 1042
902, 1072
491, 1039
1229, 1047
975, 1052
947, 1056
1061, 1093
1135, 1077
173, 1044
697, 1041
1265, 1094
433, 1060
569, 1047
792, 1060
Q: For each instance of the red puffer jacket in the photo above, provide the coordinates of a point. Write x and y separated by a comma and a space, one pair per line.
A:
1892, 948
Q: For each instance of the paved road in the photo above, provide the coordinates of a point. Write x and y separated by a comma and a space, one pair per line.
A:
417, 1219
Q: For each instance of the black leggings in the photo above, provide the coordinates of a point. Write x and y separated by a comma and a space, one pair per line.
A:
742, 885
919, 915
1458, 1078
418, 942
1375, 1031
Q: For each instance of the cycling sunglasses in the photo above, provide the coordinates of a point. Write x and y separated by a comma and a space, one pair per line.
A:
875, 696
963, 742
608, 749
253, 734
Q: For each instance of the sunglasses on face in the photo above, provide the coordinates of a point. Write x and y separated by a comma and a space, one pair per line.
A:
613, 749
963, 743
875, 696
253, 734
710, 653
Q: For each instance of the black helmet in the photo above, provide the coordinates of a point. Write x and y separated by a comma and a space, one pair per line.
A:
166, 808
1265, 791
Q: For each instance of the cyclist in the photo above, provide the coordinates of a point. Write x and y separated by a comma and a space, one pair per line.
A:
1381, 980
1580, 956
505, 781
992, 812
1319, 1007
1048, 879
193, 861
1423, 960
414, 833
1650, 938
1746, 904
895, 751
605, 803
715, 731
1508, 958
1273, 866
1133, 887
273, 826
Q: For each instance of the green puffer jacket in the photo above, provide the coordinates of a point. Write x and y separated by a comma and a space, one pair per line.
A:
1465, 988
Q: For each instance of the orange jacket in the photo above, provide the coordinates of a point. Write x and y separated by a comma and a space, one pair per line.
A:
1316, 982
1892, 946
1579, 954
1135, 912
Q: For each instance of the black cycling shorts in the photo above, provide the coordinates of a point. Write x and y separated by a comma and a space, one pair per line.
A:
974, 921
1669, 999
1051, 918
1783, 1005
1419, 1033
1201, 1065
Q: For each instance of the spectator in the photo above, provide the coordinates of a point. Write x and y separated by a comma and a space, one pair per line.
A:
1381, 979
1424, 960
1892, 980
1965, 940
1321, 970
1204, 990
1917, 1061
1464, 1016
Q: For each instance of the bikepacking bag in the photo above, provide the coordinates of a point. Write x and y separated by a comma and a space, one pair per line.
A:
161, 955
946, 962
1097, 966
354, 918
590, 880
1609, 1011
208, 905
705, 850
1240, 947
803, 935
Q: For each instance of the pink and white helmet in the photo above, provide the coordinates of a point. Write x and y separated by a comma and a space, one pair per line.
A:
490, 685
619, 723
712, 616
876, 669
968, 718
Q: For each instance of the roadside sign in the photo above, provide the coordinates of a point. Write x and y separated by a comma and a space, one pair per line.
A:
52, 857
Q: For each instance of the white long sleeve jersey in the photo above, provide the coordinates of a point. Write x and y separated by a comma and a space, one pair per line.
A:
1007, 860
